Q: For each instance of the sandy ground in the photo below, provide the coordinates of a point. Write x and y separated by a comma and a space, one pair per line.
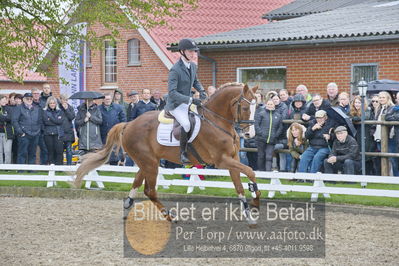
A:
80, 232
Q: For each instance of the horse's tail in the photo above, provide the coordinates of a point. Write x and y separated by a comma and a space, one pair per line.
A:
96, 159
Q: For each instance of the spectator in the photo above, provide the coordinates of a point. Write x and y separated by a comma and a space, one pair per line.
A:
27, 122
302, 89
88, 121
332, 94
6, 131
211, 90
67, 126
157, 100
118, 99
36, 96
344, 155
393, 115
112, 114
18, 99
343, 99
297, 143
297, 107
281, 142
374, 106
318, 135
39, 102
386, 104
53, 120
143, 105
11, 99
45, 95
134, 99
318, 103
285, 97
268, 126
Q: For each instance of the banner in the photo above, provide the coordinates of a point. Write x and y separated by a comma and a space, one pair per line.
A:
72, 70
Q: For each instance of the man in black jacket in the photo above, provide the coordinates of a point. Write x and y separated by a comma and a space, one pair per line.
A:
6, 131
344, 155
27, 123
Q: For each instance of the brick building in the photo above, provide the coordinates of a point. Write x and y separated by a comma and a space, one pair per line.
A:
140, 58
342, 46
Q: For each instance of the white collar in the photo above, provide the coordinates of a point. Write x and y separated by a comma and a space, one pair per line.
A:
146, 102
187, 64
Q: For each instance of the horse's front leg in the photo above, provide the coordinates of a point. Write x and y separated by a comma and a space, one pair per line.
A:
233, 164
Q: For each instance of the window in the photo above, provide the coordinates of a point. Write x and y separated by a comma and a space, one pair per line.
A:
267, 78
367, 71
133, 52
88, 54
110, 62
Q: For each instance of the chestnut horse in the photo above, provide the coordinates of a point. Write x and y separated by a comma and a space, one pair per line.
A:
217, 143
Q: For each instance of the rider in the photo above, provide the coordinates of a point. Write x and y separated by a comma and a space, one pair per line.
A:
183, 77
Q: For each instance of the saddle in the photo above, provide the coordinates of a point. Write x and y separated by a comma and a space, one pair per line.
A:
165, 117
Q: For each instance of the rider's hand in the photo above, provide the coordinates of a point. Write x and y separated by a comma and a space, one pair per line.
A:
203, 95
197, 102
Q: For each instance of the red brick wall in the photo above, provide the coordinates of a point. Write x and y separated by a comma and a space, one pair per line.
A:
152, 73
315, 67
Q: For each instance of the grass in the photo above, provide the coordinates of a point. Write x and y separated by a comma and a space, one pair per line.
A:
223, 192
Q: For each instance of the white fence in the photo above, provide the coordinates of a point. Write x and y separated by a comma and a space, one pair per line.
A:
194, 180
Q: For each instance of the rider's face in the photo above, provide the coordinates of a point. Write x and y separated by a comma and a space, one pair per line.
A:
191, 55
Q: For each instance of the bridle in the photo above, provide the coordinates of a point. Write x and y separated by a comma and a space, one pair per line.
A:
236, 121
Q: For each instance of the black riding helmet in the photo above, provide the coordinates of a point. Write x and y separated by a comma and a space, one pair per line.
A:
187, 44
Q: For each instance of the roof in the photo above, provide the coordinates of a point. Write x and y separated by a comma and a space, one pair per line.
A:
376, 21
301, 8
29, 76
211, 17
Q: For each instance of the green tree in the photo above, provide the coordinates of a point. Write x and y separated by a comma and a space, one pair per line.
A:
30, 29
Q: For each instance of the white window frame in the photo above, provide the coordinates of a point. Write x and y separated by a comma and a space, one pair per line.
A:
133, 52
105, 81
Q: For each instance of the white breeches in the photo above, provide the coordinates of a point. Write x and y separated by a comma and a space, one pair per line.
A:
181, 115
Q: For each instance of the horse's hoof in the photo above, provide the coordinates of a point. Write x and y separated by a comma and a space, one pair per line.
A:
128, 203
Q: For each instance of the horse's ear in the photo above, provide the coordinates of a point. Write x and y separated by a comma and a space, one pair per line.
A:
246, 88
254, 89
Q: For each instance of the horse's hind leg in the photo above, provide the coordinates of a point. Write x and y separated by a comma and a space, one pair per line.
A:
138, 181
151, 174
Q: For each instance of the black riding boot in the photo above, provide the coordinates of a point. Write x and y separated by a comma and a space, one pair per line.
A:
183, 147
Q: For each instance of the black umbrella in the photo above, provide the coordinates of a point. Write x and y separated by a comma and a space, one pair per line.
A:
383, 85
85, 95
342, 119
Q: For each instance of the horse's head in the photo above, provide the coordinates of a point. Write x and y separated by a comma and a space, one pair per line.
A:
243, 105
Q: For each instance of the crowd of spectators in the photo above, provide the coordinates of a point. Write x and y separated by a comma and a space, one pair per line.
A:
319, 143
39, 124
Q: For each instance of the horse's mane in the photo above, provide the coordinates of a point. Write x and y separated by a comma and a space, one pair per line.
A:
230, 84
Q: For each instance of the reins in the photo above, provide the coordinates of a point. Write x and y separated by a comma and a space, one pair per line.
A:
231, 122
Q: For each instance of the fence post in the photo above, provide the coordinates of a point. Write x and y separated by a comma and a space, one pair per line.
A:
194, 178
99, 183
275, 181
51, 173
384, 148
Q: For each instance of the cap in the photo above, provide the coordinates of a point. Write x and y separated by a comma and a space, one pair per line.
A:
133, 92
28, 94
340, 129
320, 113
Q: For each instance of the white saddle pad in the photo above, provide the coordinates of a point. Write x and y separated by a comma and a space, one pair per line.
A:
166, 138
